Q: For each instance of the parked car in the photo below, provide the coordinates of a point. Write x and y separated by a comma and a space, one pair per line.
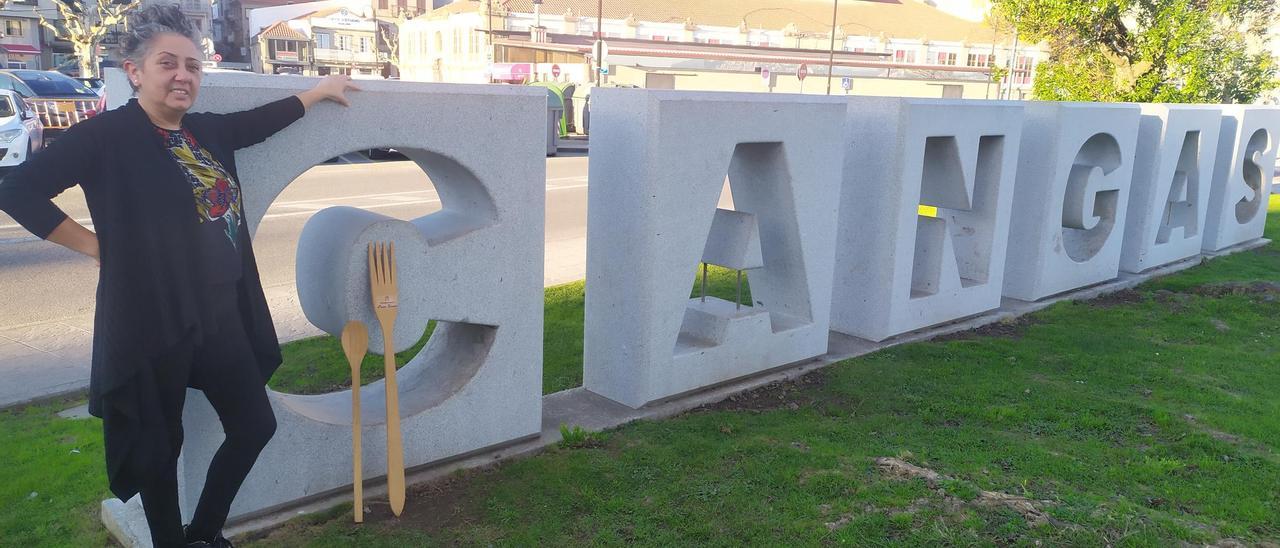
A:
57, 99
20, 132
98, 85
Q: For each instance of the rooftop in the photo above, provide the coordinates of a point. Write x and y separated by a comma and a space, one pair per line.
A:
908, 19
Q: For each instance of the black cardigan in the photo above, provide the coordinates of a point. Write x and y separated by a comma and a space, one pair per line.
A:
151, 293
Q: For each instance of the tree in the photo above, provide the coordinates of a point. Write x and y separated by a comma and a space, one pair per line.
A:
84, 23
1172, 51
392, 39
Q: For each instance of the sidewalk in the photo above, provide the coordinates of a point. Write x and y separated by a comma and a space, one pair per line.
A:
50, 359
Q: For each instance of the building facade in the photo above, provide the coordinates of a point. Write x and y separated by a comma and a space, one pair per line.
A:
904, 48
334, 40
24, 43
283, 49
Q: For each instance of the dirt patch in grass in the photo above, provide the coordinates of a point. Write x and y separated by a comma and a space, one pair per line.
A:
1215, 434
1030, 510
1116, 298
792, 394
1009, 328
434, 506
431, 507
1176, 302
1269, 291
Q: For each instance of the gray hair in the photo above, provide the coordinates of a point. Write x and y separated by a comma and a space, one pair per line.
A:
145, 24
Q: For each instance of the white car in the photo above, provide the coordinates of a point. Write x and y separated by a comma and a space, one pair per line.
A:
21, 134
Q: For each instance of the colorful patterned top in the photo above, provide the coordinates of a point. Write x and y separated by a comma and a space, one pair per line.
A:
217, 201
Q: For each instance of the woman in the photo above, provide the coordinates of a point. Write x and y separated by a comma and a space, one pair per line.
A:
179, 302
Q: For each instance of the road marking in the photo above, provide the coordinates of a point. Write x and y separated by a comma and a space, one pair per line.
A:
327, 202
383, 206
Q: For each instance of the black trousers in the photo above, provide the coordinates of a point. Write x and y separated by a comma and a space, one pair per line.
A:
224, 368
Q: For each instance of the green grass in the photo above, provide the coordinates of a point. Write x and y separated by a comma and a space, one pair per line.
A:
1144, 419
52, 478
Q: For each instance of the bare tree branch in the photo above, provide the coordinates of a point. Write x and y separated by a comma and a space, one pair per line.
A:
84, 23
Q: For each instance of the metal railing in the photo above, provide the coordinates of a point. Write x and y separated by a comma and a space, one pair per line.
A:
63, 113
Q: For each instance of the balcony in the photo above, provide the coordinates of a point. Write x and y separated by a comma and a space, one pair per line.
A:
344, 56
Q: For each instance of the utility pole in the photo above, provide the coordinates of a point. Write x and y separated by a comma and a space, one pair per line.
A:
831, 59
599, 51
493, 50
1013, 58
377, 34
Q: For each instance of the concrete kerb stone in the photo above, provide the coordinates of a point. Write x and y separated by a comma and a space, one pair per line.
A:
659, 161
1169, 197
897, 269
1247, 148
1071, 198
581, 407
475, 267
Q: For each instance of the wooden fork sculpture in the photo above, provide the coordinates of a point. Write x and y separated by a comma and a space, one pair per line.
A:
382, 286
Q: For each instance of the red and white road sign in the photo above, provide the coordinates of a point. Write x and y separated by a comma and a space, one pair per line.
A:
802, 72
217, 57
555, 71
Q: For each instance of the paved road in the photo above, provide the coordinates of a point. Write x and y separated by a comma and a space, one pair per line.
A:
47, 292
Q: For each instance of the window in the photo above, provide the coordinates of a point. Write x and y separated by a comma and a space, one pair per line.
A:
12, 27
904, 56
944, 58
17, 64
324, 41
364, 44
1022, 70
6, 108
981, 60
344, 42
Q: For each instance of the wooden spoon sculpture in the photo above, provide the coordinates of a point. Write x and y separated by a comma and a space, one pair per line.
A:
355, 343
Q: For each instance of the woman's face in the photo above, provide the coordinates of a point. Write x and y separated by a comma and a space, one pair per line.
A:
169, 76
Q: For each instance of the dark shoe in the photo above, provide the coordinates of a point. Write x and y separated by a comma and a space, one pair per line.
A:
218, 541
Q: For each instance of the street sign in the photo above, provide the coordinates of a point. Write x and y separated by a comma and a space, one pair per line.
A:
802, 72
764, 75
604, 71
217, 57
555, 71
600, 51
846, 83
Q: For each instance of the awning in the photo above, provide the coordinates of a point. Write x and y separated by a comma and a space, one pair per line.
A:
20, 49
511, 72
